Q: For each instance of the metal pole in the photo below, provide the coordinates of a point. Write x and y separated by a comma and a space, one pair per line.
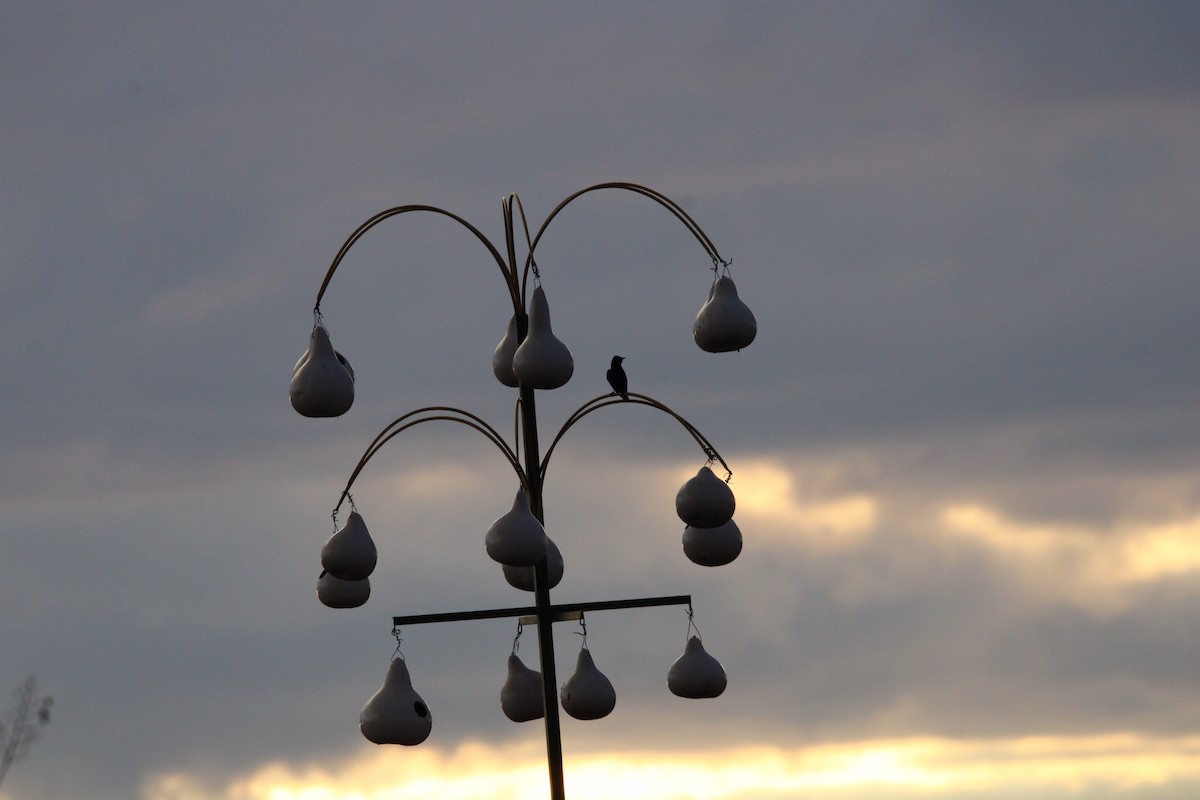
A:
545, 629
541, 583
541, 572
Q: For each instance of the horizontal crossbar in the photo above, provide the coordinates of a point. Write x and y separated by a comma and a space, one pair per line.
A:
566, 611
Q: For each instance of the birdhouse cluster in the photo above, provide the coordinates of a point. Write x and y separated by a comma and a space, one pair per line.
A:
530, 357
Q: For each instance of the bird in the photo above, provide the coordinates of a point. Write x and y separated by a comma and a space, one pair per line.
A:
617, 379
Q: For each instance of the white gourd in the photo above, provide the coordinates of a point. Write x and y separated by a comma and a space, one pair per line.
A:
705, 501
522, 577
542, 361
322, 380
587, 694
337, 593
350, 553
396, 714
517, 539
521, 696
724, 323
502, 359
712, 547
696, 674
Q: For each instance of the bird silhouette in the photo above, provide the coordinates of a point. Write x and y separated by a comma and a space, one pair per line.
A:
617, 378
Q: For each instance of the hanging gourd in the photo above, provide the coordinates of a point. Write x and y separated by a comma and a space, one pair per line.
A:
712, 547
521, 697
350, 553
724, 323
705, 501
696, 674
396, 714
322, 380
542, 361
337, 593
517, 539
522, 577
587, 694
502, 359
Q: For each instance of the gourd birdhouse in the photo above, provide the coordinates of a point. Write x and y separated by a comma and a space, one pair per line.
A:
350, 553
517, 539
696, 674
705, 501
502, 359
522, 577
724, 323
337, 593
322, 380
587, 694
396, 714
542, 361
521, 697
712, 547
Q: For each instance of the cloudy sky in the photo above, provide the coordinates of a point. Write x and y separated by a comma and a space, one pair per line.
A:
964, 445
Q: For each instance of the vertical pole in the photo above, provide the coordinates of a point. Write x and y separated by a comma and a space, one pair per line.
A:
541, 583
541, 572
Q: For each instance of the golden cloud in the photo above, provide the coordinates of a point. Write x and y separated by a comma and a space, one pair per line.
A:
803, 505
1095, 568
920, 767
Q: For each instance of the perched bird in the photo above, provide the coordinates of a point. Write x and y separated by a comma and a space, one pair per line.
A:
617, 379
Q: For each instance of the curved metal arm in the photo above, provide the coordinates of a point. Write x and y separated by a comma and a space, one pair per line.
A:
645, 191
509, 277
597, 403
516, 288
401, 424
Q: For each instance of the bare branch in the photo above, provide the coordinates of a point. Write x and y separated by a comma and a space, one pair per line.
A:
29, 714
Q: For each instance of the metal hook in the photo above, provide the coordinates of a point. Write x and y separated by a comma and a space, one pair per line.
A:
692, 623
582, 629
353, 509
399, 639
516, 645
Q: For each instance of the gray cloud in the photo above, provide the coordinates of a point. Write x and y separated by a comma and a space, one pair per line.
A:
1076, 51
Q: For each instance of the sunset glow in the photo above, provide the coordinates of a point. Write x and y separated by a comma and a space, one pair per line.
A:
809, 508
1093, 568
920, 767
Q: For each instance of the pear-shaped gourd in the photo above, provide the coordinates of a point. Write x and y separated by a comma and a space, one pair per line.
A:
724, 323
521, 697
337, 593
705, 501
587, 694
522, 577
542, 361
517, 539
322, 380
350, 553
502, 359
696, 674
712, 547
396, 714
